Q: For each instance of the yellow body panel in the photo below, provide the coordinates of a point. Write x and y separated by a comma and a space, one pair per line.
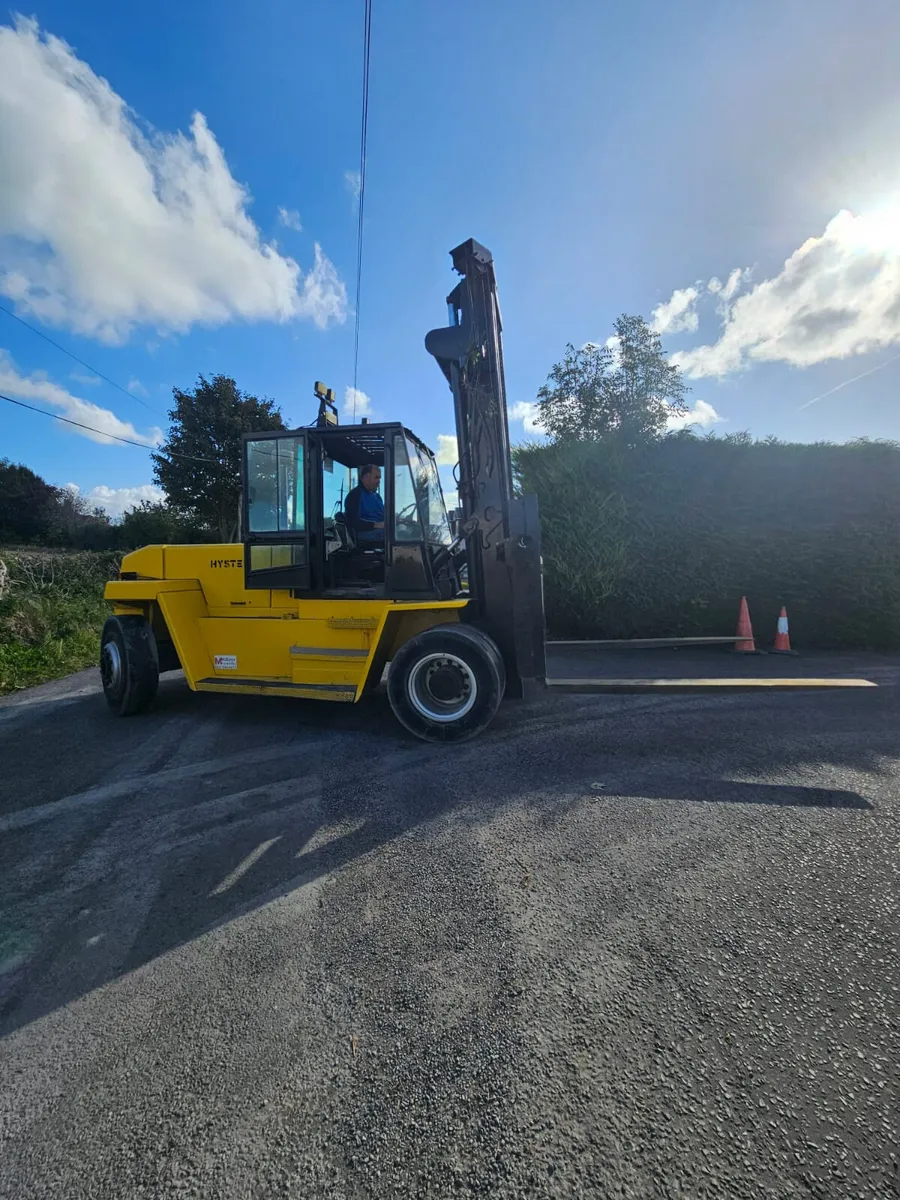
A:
230, 638
182, 611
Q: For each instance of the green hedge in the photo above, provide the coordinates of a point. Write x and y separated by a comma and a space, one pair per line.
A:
665, 539
51, 613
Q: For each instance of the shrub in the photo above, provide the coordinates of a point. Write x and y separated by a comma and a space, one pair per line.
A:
51, 613
662, 540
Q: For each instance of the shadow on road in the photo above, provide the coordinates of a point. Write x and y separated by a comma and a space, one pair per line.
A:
127, 839
723, 791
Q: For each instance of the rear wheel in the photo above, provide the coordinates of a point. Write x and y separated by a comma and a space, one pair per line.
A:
446, 684
129, 664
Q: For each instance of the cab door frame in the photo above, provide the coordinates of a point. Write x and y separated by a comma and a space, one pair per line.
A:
279, 558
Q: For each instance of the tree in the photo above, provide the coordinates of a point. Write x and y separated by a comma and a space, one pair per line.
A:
28, 504
626, 389
154, 524
78, 526
204, 484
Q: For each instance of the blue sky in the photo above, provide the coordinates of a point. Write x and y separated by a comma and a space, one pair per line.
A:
729, 171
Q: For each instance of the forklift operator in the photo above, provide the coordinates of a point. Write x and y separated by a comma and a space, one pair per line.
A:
364, 508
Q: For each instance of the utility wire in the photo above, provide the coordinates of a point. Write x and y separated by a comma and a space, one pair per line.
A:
363, 138
81, 362
102, 432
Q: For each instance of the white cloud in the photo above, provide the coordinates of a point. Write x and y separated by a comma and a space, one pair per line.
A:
82, 377
323, 297
725, 292
677, 314
289, 218
137, 388
451, 498
702, 414
356, 405
38, 389
836, 296
352, 183
733, 283
105, 225
448, 450
117, 501
529, 414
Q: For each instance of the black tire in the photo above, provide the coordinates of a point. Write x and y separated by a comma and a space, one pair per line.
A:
129, 665
485, 639
446, 684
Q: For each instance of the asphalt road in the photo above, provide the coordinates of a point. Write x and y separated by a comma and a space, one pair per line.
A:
616, 947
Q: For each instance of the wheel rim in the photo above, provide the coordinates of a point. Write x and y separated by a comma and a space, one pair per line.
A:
442, 687
111, 666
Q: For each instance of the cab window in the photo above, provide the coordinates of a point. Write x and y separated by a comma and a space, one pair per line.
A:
336, 484
275, 486
430, 498
407, 525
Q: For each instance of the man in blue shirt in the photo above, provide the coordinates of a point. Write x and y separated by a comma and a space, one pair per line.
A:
364, 508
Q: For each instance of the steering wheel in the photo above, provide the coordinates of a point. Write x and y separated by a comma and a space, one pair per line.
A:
408, 517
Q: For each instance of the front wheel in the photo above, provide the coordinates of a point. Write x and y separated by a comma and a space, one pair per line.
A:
446, 684
129, 664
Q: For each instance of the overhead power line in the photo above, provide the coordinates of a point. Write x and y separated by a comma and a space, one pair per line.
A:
363, 138
102, 432
81, 362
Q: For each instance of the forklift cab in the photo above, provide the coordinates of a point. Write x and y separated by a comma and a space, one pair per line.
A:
294, 515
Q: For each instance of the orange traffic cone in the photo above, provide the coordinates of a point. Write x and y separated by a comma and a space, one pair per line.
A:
744, 643
782, 635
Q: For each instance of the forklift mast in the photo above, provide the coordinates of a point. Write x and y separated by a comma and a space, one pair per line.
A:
501, 529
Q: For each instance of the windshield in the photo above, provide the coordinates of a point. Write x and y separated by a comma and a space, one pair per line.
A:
429, 496
407, 526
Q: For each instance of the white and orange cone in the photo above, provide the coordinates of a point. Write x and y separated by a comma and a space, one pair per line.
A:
782, 635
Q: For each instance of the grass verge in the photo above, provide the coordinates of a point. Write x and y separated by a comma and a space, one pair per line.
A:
51, 613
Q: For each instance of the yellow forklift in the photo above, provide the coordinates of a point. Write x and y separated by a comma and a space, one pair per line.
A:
315, 602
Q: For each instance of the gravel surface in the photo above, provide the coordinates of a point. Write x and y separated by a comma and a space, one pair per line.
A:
617, 947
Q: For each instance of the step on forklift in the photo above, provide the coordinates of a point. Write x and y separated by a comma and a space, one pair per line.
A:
316, 603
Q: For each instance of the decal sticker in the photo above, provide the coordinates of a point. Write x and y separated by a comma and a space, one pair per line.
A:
225, 662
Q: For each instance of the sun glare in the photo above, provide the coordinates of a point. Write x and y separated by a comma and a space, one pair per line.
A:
877, 230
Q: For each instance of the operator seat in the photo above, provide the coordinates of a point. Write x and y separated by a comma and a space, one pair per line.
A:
343, 531
352, 563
